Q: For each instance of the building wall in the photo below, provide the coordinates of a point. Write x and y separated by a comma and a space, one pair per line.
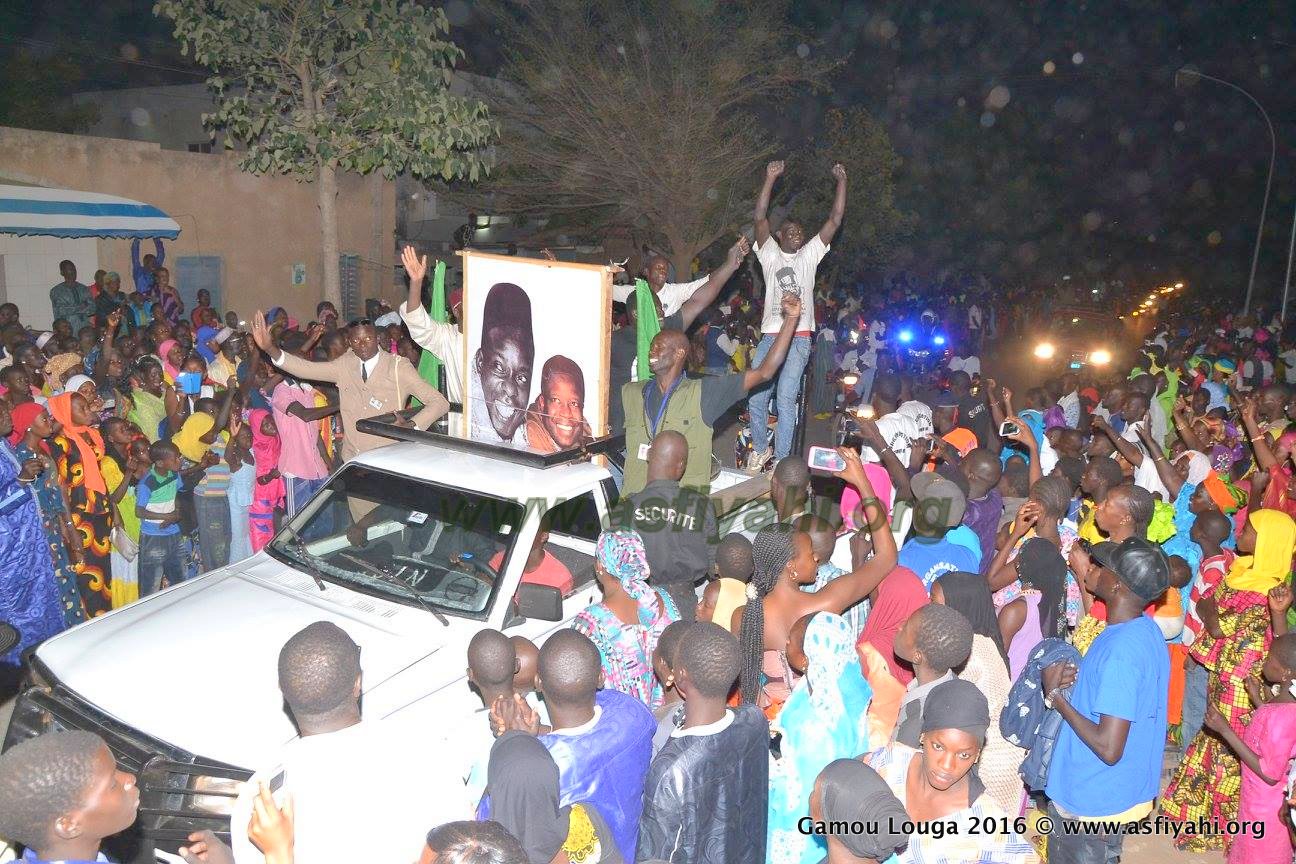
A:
169, 115
29, 269
258, 226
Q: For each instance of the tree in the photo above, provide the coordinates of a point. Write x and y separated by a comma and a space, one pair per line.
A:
314, 87
643, 113
873, 224
34, 93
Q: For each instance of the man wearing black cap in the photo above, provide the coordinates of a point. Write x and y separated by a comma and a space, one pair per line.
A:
1107, 761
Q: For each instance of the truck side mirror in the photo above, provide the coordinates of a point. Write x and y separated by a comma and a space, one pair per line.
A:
539, 602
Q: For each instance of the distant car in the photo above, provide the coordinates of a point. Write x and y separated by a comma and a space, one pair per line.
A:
1081, 337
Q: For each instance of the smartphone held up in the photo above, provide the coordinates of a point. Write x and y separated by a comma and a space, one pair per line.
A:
826, 459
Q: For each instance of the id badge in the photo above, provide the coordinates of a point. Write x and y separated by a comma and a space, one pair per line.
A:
643, 452
375, 404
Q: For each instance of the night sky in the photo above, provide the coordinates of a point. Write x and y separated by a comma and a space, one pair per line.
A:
1039, 139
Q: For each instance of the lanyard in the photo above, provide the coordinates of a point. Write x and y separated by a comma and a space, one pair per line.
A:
661, 410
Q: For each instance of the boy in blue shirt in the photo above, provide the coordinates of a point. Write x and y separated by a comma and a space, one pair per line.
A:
939, 506
155, 504
1107, 761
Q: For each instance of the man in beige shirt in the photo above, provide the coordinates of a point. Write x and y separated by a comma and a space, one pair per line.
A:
369, 381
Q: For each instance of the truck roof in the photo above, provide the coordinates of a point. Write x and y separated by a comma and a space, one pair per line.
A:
483, 473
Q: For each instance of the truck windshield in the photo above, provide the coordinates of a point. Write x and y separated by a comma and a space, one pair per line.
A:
396, 536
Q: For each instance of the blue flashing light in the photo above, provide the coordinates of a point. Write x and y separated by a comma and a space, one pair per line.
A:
939, 340
906, 335
1076, 364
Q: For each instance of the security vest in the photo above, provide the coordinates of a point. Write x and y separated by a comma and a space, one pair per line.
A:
683, 415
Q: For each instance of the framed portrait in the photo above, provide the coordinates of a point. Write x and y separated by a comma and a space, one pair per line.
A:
536, 351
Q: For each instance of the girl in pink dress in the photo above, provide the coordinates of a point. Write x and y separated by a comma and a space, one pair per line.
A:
1264, 749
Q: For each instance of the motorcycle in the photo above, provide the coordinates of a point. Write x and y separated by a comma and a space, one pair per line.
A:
921, 348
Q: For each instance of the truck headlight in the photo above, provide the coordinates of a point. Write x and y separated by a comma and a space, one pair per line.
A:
1101, 357
214, 795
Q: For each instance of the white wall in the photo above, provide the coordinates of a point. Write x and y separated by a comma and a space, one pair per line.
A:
29, 268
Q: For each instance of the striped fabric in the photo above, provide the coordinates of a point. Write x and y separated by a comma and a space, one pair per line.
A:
36, 210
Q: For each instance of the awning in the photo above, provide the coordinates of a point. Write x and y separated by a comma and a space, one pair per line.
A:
36, 210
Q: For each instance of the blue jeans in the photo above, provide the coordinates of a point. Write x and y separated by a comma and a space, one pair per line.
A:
213, 517
864, 387
786, 386
1196, 678
159, 556
1081, 847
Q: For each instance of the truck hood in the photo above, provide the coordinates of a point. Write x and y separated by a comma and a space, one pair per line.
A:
202, 674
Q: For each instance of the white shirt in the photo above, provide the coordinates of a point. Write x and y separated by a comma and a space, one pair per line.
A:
707, 729
920, 414
899, 431
358, 795
794, 272
1070, 405
876, 341
970, 365
443, 340
369, 366
672, 295
1289, 360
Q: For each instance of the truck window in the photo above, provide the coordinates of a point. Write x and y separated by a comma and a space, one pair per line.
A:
577, 517
408, 540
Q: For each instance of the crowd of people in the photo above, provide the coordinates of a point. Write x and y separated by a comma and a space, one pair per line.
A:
983, 638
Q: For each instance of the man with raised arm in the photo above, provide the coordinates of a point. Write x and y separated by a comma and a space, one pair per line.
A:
789, 262
690, 406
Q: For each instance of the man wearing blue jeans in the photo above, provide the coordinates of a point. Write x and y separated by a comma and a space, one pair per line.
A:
155, 504
788, 263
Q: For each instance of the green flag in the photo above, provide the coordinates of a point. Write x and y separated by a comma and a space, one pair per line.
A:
429, 366
648, 326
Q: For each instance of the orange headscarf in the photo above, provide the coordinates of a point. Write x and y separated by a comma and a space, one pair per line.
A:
88, 441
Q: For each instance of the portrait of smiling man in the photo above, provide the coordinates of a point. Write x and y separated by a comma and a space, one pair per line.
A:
556, 420
502, 367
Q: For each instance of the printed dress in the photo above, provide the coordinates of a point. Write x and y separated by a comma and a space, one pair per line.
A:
1208, 780
53, 511
28, 593
92, 521
627, 649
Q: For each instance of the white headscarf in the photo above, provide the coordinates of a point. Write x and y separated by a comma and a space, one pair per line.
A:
1199, 465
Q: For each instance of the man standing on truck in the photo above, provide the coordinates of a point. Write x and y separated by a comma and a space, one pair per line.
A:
369, 381
690, 406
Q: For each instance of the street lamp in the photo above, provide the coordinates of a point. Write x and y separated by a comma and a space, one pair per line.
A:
1273, 153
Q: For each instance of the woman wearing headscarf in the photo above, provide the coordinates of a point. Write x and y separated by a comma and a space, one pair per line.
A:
522, 786
898, 596
29, 595
785, 562
172, 357
824, 719
33, 426
76, 451
940, 782
1240, 619
987, 668
268, 490
628, 622
848, 792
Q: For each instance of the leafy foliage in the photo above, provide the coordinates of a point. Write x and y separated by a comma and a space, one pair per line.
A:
34, 93
642, 114
360, 86
873, 222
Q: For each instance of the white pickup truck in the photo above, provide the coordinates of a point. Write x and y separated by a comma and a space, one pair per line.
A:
411, 548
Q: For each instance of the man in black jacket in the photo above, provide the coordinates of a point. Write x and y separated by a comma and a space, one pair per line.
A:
677, 524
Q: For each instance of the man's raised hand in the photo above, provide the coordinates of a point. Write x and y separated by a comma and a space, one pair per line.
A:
739, 250
791, 307
839, 171
261, 333
416, 267
774, 169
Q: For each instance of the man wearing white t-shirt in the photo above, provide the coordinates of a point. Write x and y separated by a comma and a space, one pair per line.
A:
789, 264
673, 295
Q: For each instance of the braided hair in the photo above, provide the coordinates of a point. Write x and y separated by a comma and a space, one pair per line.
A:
771, 551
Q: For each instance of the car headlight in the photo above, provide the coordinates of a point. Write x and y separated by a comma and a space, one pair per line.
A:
1101, 357
215, 795
1045, 350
